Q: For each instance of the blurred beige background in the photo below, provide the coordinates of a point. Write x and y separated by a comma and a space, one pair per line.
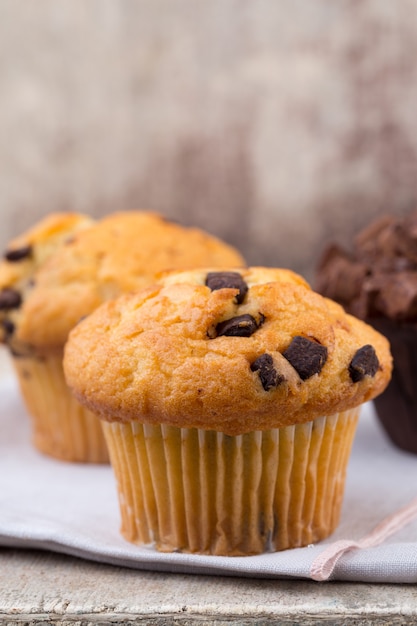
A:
277, 125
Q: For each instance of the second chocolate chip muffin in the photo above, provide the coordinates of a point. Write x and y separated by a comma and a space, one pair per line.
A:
229, 402
58, 272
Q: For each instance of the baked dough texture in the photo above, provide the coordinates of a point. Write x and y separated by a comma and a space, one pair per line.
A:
74, 263
58, 272
174, 354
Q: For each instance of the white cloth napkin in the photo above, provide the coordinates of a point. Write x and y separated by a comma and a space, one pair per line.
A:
73, 509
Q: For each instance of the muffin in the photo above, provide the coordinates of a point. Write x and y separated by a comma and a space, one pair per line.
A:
377, 282
229, 400
60, 271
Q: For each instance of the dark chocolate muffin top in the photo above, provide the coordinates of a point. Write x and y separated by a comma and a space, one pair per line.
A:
378, 276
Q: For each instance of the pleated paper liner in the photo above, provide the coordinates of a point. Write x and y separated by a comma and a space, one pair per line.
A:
197, 491
61, 427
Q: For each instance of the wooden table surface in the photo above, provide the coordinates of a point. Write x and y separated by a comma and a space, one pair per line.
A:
44, 587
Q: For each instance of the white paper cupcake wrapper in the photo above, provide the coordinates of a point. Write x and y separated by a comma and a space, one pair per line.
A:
205, 492
61, 427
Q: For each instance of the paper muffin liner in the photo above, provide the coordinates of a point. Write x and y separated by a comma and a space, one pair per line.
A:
191, 490
61, 427
396, 407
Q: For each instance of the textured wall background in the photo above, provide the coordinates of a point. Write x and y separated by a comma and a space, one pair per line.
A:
275, 124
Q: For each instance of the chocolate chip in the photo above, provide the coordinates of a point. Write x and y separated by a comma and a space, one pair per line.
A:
18, 253
10, 299
227, 280
8, 327
306, 356
364, 363
239, 326
268, 375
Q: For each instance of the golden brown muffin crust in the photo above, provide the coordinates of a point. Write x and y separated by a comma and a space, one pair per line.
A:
76, 272
160, 356
23, 259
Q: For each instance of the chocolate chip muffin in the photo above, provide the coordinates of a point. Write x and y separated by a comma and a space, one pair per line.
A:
58, 272
377, 281
229, 400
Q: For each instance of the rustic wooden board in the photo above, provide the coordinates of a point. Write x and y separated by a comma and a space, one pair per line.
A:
38, 587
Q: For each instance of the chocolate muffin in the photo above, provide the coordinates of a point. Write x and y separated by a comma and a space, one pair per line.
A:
229, 401
377, 282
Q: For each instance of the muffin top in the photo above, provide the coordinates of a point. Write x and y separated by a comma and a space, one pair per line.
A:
68, 264
378, 276
232, 350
